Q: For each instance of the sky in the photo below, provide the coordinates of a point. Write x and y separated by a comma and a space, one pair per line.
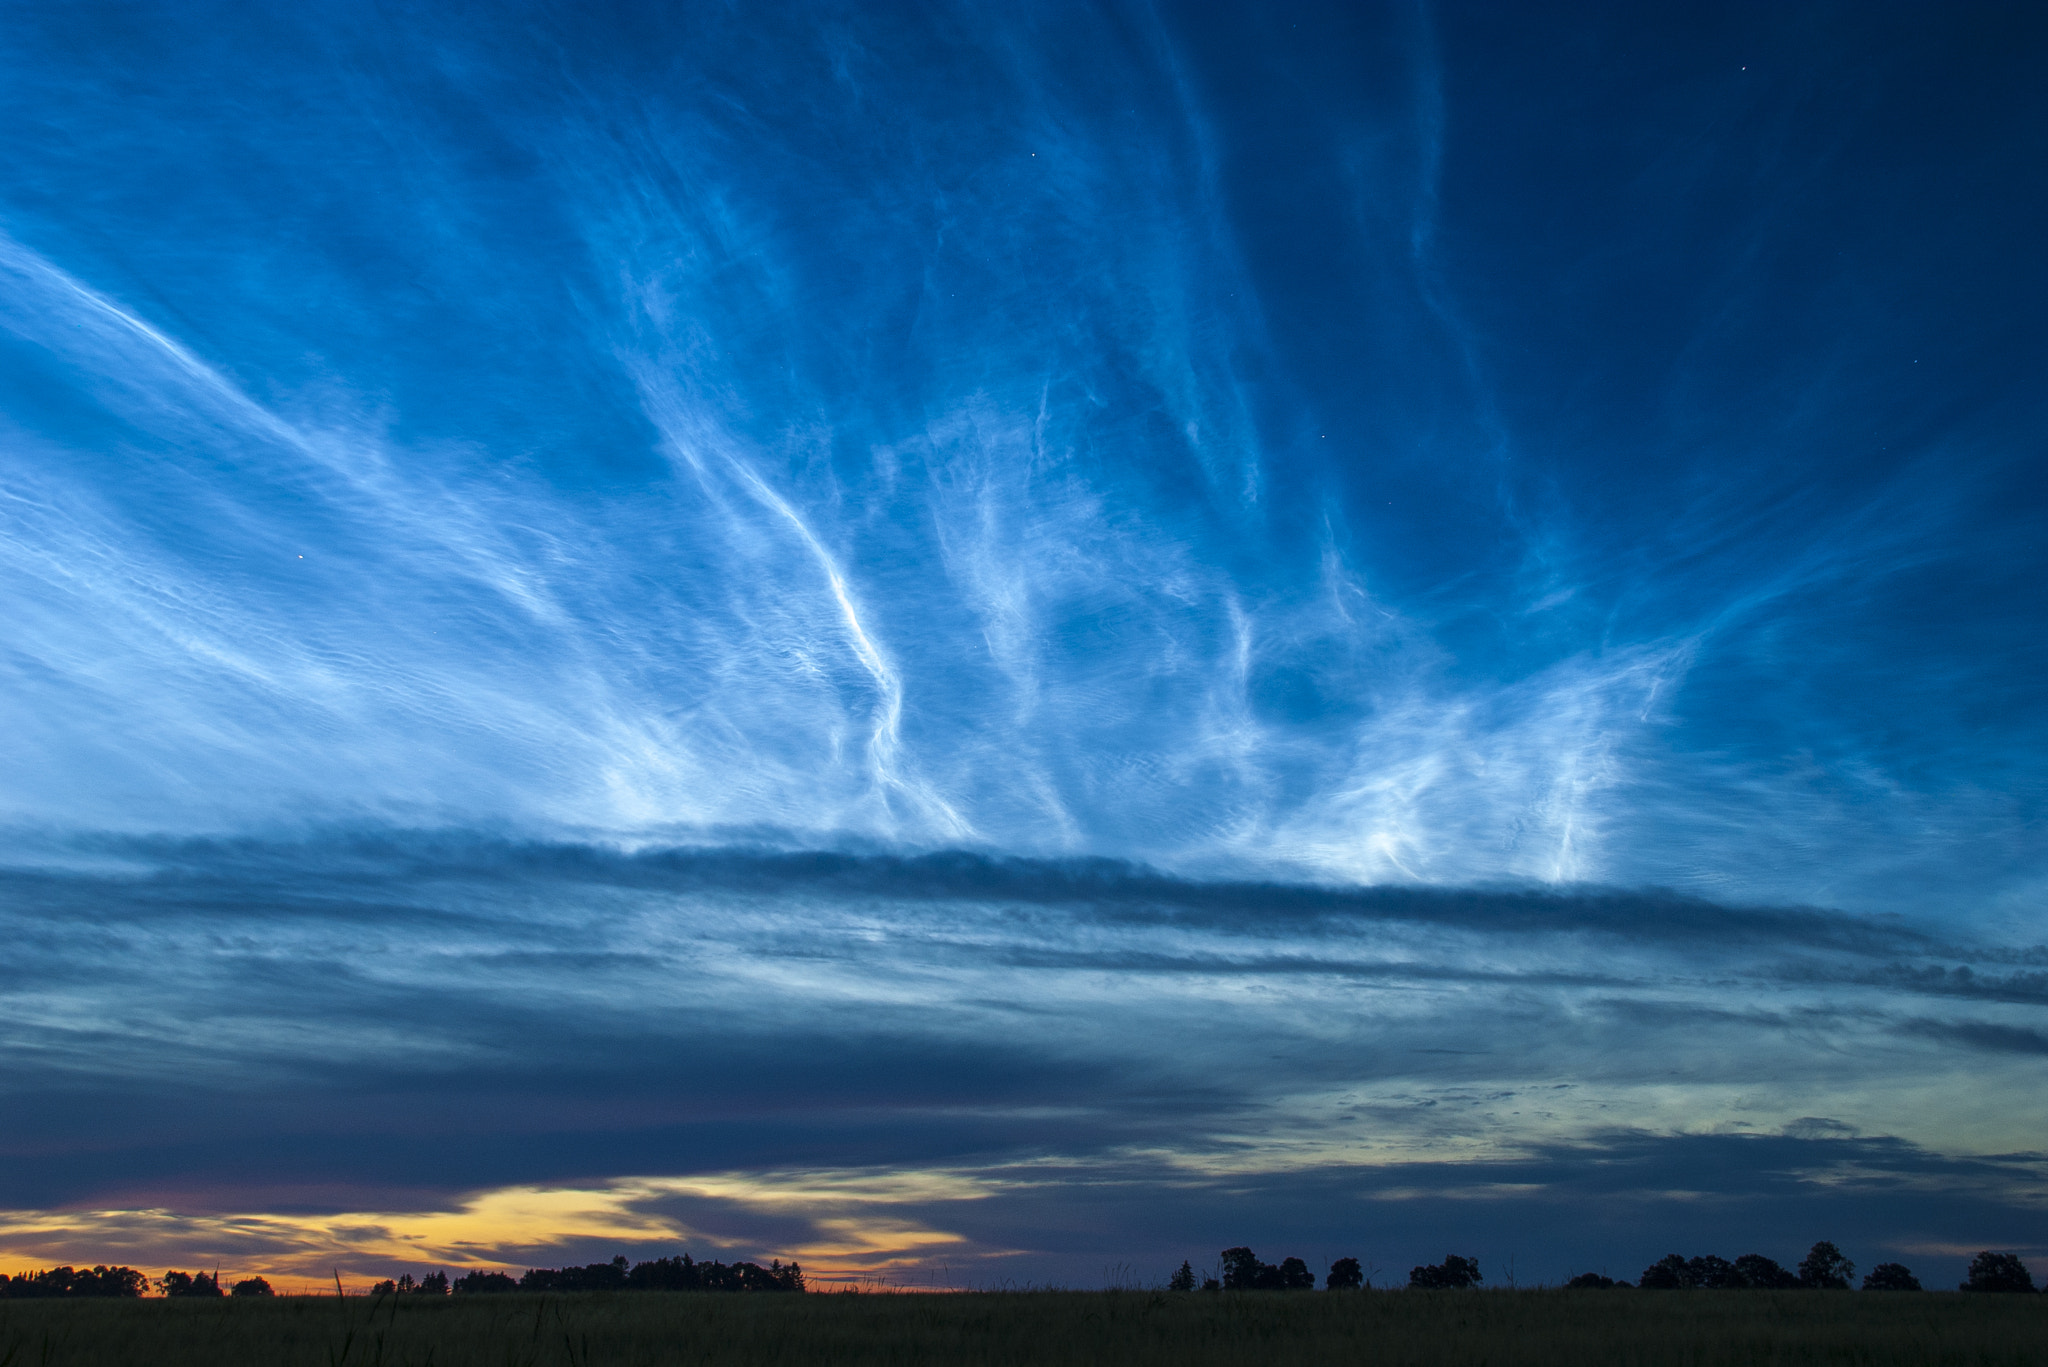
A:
998, 645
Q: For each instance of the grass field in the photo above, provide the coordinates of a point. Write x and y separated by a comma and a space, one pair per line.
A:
1500, 1329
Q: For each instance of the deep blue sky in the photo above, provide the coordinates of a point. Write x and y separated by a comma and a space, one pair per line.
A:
1350, 623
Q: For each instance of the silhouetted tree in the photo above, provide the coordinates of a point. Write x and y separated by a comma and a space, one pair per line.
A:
609, 1276
110, 1281
1668, 1273
1242, 1270
1764, 1274
1710, 1272
668, 1274
1592, 1281
1825, 1269
252, 1286
484, 1283
188, 1284
1891, 1277
1452, 1274
660, 1274
98, 1280
1345, 1275
687, 1274
774, 1277
1998, 1272
433, 1284
1211, 1284
1183, 1280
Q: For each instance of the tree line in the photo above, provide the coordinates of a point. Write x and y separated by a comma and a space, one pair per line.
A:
658, 1274
682, 1273
1243, 1271
1824, 1268
121, 1281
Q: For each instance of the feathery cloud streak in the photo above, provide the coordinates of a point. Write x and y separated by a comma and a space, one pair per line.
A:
935, 477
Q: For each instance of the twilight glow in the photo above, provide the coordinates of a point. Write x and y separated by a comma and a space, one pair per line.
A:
973, 643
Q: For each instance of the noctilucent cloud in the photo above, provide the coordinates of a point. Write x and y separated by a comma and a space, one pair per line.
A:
988, 644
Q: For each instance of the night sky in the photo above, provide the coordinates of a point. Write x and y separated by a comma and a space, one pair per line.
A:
1003, 644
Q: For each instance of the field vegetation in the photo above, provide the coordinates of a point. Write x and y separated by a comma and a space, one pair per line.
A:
1414, 1329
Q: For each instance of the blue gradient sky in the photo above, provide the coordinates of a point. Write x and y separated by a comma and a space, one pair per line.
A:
975, 642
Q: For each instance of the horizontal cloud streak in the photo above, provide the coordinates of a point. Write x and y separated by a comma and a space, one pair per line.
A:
1552, 1210
397, 1011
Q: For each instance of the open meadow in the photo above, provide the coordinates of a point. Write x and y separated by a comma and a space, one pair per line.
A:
1498, 1328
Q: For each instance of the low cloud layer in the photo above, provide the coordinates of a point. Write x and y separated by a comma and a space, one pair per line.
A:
350, 1028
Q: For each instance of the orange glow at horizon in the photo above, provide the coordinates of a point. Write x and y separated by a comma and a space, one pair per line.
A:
856, 1235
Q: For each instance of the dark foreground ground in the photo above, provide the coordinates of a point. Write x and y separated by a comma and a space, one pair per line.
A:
1501, 1329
